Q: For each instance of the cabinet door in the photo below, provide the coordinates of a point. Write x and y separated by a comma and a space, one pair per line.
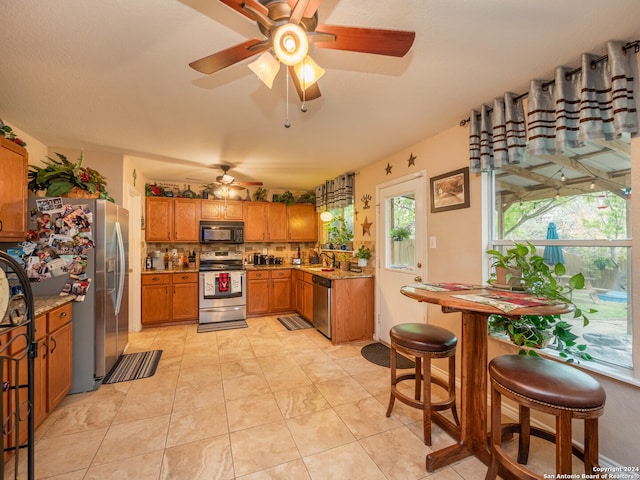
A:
255, 221
59, 365
159, 219
232, 210
303, 223
257, 292
211, 210
186, 226
280, 290
40, 383
156, 299
185, 301
13, 191
307, 309
277, 226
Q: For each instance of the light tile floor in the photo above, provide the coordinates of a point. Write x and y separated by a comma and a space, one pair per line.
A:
254, 403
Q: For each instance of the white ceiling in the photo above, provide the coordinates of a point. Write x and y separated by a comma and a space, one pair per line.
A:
114, 75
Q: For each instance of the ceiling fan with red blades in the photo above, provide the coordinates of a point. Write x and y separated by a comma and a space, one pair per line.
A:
289, 27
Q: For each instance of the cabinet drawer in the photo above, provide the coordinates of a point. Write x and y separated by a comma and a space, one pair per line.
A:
157, 279
281, 274
58, 317
185, 278
308, 277
257, 275
41, 327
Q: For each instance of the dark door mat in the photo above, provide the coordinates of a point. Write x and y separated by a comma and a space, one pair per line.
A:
294, 322
217, 326
134, 366
380, 354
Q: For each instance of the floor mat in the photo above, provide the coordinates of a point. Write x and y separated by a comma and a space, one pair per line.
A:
294, 322
217, 326
134, 366
380, 354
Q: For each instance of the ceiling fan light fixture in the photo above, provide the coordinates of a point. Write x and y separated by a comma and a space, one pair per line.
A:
308, 72
266, 67
290, 44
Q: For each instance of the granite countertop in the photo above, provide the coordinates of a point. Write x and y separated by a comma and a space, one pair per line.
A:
178, 270
41, 305
335, 274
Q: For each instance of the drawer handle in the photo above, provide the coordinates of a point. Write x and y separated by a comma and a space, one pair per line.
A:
258, 274
185, 277
62, 315
155, 279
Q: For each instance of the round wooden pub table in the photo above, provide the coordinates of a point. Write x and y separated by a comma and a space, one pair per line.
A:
473, 351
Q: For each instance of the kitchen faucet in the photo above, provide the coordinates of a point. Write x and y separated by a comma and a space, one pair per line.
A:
331, 257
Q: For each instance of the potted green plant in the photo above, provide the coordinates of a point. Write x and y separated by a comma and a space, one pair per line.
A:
287, 198
62, 178
363, 254
530, 273
399, 233
345, 263
339, 233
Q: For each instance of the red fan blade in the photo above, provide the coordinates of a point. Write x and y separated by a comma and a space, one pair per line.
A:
237, 6
247, 184
311, 93
309, 11
395, 43
224, 58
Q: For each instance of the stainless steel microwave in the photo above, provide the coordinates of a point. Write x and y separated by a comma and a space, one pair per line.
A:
221, 232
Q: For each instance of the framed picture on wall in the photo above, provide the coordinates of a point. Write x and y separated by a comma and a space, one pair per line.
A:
450, 191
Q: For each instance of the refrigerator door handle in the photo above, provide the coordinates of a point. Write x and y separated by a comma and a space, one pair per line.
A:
121, 267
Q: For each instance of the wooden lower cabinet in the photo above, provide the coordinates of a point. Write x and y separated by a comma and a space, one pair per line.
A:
352, 304
169, 297
59, 363
303, 294
53, 371
269, 291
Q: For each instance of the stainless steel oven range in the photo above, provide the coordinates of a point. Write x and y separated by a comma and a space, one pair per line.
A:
223, 287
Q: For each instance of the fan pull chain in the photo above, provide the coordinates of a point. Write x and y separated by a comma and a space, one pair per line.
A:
287, 123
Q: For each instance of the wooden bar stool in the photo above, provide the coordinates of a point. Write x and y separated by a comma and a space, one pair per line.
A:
425, 342
550, 387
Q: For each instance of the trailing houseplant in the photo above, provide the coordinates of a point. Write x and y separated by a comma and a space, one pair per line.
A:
60, 177
528, 271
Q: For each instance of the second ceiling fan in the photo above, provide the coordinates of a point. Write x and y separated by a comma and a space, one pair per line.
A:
289, 27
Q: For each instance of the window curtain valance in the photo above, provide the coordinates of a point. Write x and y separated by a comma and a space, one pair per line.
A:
593, 102
336, 193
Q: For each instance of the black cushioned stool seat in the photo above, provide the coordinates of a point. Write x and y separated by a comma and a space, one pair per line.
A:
424, 342
550, 387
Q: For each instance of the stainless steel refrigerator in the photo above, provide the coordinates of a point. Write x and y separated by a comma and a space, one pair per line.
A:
101, 321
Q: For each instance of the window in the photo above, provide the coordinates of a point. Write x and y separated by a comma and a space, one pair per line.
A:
339, 231
401, 225
585, 193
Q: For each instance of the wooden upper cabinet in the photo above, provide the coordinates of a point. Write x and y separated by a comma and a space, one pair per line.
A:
159, 219
186, 222
303, 223
13, 191
277, 222
221, 210
172, 219
265, 222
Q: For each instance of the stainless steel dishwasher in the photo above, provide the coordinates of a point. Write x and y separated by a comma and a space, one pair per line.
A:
322, 304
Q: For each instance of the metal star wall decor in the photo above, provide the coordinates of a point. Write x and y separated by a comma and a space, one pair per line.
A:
412, 160
388, 168
366, 226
